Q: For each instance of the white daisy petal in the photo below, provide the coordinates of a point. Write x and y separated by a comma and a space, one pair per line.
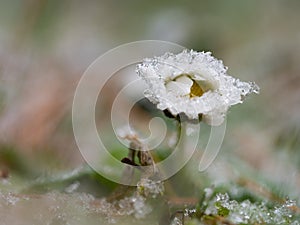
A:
185, 80
193, 83
178, 88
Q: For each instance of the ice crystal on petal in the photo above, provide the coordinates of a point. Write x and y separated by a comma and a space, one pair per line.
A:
193, 83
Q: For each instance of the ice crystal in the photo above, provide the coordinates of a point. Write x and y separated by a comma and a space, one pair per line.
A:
136, 204
176, 221
141, 208
189, 212
193, 83
150, 188
11, 198
72, 187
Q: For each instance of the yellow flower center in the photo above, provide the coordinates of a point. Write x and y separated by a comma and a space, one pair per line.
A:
196, 90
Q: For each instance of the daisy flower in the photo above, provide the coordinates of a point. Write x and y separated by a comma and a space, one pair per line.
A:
194, 84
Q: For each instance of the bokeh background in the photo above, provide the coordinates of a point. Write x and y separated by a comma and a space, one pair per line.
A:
45, 46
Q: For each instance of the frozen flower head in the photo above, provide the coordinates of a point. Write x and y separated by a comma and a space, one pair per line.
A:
194, 84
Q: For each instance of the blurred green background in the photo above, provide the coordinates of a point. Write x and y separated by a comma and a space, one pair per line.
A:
45, 46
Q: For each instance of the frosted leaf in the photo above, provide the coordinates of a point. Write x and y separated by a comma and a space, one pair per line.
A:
283, 212
193, 83
247, 212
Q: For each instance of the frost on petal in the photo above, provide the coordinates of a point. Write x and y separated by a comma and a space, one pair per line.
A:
193, 83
